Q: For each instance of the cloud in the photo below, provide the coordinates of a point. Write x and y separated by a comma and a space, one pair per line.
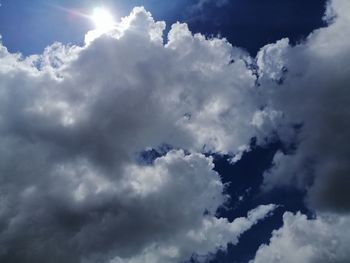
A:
78, 214
212, 233
308, 84
74, 121
322, 240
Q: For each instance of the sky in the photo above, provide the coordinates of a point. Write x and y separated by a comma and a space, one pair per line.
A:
202, 131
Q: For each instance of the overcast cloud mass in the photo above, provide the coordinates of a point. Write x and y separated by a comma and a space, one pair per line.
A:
75, 120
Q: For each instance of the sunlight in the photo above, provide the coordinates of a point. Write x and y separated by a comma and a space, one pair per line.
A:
102, 19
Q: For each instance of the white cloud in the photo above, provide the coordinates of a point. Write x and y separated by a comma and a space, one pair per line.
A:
322, 240
153, 212
73, 121
212, 232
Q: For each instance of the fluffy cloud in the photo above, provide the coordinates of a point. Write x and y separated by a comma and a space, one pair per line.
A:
77, 214
75, 119
309, 85
212, 232
322, 240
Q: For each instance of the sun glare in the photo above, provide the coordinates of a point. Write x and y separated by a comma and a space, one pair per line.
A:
102, 19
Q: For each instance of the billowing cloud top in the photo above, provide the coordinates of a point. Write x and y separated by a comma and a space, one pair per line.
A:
74, 120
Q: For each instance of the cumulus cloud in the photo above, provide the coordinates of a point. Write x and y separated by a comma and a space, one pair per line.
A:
212, 232
309, 85
73, 122
322, 240
78, 214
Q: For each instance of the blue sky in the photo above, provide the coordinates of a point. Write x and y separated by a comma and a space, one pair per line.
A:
218, 136
28, 27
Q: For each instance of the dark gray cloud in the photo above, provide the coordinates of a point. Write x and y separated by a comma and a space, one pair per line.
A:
315, 94
308, 84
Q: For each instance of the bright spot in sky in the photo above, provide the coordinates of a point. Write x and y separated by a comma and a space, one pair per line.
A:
102, 19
